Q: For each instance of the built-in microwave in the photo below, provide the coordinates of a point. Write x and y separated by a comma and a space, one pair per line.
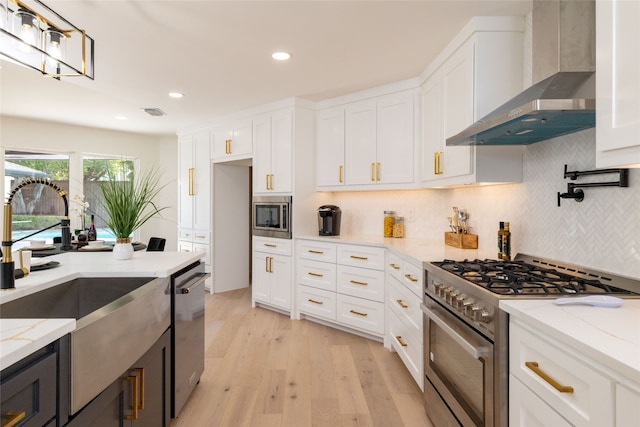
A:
271, 216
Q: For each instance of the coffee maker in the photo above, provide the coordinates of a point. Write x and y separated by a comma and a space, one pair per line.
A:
329, 220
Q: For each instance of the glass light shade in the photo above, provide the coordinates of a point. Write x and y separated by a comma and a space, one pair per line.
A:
25, 26
54, 45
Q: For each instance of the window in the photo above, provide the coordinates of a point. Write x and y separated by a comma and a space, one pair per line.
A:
36, 206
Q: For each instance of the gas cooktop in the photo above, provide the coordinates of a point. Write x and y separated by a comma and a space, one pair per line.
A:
534, 277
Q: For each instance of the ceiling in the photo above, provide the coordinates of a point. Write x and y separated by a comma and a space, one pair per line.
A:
218, 53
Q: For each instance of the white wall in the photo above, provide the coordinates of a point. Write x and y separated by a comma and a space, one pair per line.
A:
22, 134
602, 232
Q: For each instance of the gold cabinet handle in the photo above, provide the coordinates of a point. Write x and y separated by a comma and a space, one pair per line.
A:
378, 171
359, 257
358, 313
270, 264
133, 379
373, 171
315, 274
190, 188
340, 169
200, 236
408, 276
355, 282
315, 302
267, 181
13, 418
401, 303
270, 182
394, 266
141, 401
315, 252
227, 148
402, 343
266, 264
435, 163
553, 383
270, 245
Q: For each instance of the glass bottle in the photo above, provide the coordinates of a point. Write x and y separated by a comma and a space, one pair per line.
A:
388, 223
500, 234
506, 243
92, 235
398, 226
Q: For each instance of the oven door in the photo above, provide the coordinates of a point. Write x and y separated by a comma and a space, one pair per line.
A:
459, 366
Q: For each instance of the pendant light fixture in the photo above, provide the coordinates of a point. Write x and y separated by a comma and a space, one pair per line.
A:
35, 36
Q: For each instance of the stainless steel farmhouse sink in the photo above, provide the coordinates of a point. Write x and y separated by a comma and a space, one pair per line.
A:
117, 321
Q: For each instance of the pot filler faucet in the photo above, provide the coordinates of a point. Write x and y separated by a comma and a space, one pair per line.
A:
7, 267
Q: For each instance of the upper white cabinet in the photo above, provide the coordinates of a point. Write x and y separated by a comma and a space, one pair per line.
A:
367, 142
617, 83
194, 181
479, 70
273, 160
232, 141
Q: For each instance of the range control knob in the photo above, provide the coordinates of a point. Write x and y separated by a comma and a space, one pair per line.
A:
467, 305
482, 316
459, 301
445, 291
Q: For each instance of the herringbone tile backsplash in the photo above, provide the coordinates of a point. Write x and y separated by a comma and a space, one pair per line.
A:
601, 232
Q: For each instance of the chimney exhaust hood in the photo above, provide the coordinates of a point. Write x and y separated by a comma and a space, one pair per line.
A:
563, 99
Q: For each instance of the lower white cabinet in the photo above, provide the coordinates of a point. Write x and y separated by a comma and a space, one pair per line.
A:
272, 272
190, 240
361, 314
526, 409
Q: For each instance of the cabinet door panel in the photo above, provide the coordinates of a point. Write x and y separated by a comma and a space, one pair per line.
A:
260, 283
330, 147
395, 145
432, 139
185, 161
202, 181
281, 152
360, 143
281, 281
528, 410
262, 149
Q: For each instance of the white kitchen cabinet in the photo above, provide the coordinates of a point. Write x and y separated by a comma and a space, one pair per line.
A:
526, 409
194, 181
272, 272
367, 143
617, 83
190, 240
466, 82
232, 141
627, 406
273, 160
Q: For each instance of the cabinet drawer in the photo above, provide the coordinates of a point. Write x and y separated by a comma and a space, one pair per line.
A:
206, 248
406, 306
589, 386
318, 251
201, 236
361, 282
317, 302
413, 278
361, 256
394, 265
361, 314
408, 346
32, 392
185, 234
528, 410
317, 274
272, 246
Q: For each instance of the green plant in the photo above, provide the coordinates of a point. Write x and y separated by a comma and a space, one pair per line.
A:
130, 203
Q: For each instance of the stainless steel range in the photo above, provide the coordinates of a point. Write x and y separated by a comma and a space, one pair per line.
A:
466, 335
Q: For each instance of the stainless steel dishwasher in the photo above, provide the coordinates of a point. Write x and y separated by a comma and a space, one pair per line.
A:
187, 333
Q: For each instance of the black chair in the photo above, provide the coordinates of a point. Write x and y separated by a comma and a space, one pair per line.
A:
156, 244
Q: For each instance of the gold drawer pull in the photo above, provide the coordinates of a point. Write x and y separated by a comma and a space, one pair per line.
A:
359, 257
340, 169
315, 274
401, 303
141, 372
395, 266
408, 276
358, 313
355, 282
561, 388
315, 252
270, 245
315, 302
402, 343
13, 418
134, 397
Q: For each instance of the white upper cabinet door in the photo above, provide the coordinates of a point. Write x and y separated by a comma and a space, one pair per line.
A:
185, 180
360, 143
232, 141
432, 140
395, 142
202, 181
262, 153
281, 152
330, 147
617, 83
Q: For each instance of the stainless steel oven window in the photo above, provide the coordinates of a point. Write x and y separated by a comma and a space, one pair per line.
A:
459, 363
269, 215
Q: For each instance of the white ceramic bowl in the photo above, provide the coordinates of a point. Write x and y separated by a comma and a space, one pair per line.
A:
37, 243
96, 243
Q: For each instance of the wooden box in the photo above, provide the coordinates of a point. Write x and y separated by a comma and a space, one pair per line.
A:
462, 241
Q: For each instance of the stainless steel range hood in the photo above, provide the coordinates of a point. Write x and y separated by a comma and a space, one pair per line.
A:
563, 99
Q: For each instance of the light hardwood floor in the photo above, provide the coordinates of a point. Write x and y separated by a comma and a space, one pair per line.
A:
263, 369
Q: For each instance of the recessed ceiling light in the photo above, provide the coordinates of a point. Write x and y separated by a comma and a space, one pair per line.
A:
175, 95
120, 117
281, 56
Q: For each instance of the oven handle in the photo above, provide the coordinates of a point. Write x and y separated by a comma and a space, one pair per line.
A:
475, 352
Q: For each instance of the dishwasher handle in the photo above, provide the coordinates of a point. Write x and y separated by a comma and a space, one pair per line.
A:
193, 283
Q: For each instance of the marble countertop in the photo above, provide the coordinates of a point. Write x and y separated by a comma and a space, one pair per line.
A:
609, 336
21, 337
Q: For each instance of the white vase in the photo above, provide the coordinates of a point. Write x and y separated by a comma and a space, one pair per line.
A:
123, 249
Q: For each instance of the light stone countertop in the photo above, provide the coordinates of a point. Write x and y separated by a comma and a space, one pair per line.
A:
609, 336
21, 337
